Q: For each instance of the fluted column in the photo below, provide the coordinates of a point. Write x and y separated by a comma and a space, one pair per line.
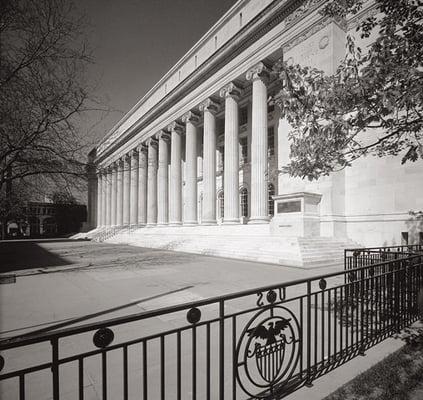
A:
126, 189
119, 194
108, 176
133, 212
114, 195
191, 120
231, 94
175, 203
103, 198
99, 198
152, 183
163, 179
209, 107
142, 185
259, 201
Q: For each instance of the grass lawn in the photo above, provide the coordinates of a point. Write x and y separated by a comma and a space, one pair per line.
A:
398, 377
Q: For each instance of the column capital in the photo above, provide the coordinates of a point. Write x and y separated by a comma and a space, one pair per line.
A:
163, 135
209, 105
134, 153
231, 90
175, 126
151, 142
258, 71
142, 148
114, 165
126, 158
192, 117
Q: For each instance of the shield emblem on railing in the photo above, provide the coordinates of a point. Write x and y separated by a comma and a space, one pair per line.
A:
269, 359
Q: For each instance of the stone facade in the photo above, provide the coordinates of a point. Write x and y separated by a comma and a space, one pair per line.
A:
205, 147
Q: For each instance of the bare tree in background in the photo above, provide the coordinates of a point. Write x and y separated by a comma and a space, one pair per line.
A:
44, 57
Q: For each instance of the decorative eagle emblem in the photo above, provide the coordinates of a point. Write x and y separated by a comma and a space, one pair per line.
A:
274, 329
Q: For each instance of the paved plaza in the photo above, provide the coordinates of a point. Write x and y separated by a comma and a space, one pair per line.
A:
67, 283
57, 281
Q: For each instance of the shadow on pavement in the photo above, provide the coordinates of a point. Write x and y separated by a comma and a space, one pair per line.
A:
71, 321
20, 255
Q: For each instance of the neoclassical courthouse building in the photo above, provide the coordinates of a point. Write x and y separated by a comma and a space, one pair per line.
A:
195, 164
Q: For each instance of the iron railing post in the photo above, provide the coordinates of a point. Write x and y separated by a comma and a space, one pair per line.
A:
55, 367
221, 350
309, 379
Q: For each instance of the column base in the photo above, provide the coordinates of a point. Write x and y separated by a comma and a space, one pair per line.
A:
175, 223
209, 222
234, 221
162, 223
151, 225
141, 225
259, 220
190, 223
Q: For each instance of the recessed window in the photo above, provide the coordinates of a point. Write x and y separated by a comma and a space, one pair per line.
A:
221, 204
243, 142
404, 238
243, 116
215, 42
221, 158
271, 141
271, 193
165, 88
240, 19
243, 195
196, 61
179, 75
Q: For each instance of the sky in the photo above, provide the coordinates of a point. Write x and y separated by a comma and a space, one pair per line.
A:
135, 42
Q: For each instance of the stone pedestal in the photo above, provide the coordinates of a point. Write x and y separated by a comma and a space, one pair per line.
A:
296, 214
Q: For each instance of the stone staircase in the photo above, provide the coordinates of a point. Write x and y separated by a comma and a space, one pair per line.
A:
324, 252
245, 242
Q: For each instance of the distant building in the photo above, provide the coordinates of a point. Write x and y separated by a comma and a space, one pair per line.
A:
43, 219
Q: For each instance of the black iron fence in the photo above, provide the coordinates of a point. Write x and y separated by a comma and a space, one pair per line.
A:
263, 343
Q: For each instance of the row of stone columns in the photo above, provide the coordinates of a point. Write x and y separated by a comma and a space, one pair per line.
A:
135, 190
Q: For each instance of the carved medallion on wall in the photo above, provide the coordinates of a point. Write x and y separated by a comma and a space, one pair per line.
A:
324, 41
